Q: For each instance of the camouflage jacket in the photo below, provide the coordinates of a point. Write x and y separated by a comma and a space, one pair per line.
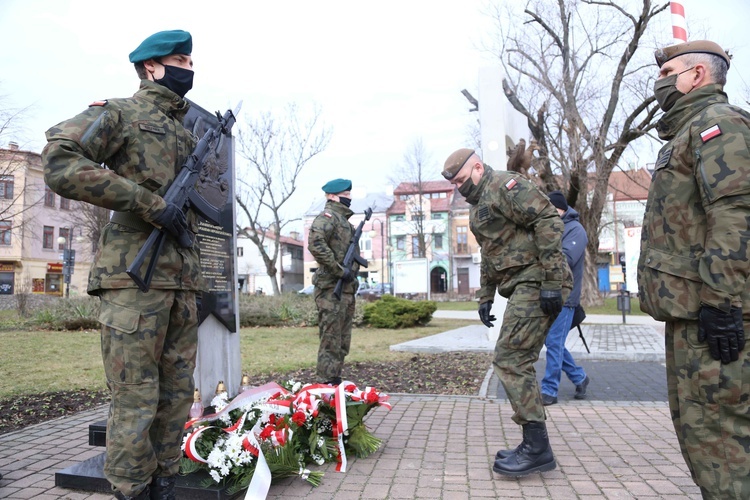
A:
329, 238
121, 154
694, 244
519, 232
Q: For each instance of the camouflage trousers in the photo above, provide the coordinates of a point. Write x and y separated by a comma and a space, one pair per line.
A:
149, 343
522, 336
710, 410
335, 325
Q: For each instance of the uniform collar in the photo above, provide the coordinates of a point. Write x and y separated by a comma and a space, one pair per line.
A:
687, 106
163, 98
335, 206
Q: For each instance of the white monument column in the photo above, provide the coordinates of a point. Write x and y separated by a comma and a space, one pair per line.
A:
492, 123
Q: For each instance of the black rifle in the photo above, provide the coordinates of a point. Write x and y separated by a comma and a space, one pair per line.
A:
352, 254
578, 316
183, 194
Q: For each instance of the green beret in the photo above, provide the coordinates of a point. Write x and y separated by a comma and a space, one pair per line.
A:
163, 43
337, 186
696, 47
455, 161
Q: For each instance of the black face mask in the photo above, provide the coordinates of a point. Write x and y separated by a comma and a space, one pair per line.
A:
347, 202
469, 191
666, 92
178, 80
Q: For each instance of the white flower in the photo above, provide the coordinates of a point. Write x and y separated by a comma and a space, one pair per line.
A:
321, 442
215, 476
219, 401
296, 386
215, 458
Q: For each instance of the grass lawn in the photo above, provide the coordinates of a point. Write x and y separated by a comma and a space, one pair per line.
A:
42, 361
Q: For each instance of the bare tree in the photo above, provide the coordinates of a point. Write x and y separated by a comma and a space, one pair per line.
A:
576, 70
16, 198
416, 170
90, 219
276, 148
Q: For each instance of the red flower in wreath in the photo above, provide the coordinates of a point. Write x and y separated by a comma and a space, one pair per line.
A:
299, 418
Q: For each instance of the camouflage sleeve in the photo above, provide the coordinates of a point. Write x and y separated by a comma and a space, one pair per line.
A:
528, 207
487, 288
723, 176
73, 163
320, 232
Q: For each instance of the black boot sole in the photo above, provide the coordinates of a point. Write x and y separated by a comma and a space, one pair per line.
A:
539, 468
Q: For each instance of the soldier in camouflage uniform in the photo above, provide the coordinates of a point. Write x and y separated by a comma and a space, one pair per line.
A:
329, 238
520, 234
148, 339
695, 262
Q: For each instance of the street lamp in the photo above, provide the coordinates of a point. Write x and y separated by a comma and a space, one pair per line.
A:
69, 258
382, 249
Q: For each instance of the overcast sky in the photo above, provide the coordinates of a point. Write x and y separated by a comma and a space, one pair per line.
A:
383, 74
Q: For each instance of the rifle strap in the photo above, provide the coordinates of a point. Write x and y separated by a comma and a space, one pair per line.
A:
132, 221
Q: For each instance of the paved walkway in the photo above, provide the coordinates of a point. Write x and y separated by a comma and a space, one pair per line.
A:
440, 447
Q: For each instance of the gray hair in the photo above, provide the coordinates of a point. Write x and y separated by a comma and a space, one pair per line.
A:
717, 66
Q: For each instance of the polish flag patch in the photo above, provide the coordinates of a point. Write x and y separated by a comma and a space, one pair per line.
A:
327, 214
510, 184
710, 133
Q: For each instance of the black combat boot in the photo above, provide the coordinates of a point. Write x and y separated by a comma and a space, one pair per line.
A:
334, 381
143, 495
162, 488
506, 453
533, 455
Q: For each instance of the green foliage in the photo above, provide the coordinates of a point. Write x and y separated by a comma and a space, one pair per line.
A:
289, 309
80, 313
394, 312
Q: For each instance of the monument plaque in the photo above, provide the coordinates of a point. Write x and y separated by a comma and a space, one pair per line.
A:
216, 242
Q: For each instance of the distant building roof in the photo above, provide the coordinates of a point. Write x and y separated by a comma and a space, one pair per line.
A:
427, 187
630, 185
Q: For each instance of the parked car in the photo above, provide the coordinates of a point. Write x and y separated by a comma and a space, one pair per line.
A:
374, 292
308, 290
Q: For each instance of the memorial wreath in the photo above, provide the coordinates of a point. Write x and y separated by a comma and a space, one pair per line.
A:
274, 431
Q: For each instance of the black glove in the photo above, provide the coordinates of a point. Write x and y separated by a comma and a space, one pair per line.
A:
348, 276
173, 221
484, 314
551, 302
723, 331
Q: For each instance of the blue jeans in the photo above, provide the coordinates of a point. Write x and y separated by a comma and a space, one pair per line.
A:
558, 357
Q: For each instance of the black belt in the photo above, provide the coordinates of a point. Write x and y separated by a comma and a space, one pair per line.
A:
132, 221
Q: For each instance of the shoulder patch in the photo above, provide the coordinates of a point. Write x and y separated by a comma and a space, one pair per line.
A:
327, 214
510, 184
710, 133
99, 103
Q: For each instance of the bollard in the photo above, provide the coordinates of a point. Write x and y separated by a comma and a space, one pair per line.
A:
623, 302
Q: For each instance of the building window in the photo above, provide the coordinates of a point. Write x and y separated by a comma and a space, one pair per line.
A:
49, 197
64, 233
438, 241
438, 216
365, 244
400, 242
48, 237
5, 227
417, 216
6, 187
415, 250
399, 218
462, 239
240, 251
64, 203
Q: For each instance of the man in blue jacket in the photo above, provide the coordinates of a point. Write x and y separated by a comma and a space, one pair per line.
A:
559, 359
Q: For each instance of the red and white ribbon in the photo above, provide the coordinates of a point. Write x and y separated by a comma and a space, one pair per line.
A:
679, 25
